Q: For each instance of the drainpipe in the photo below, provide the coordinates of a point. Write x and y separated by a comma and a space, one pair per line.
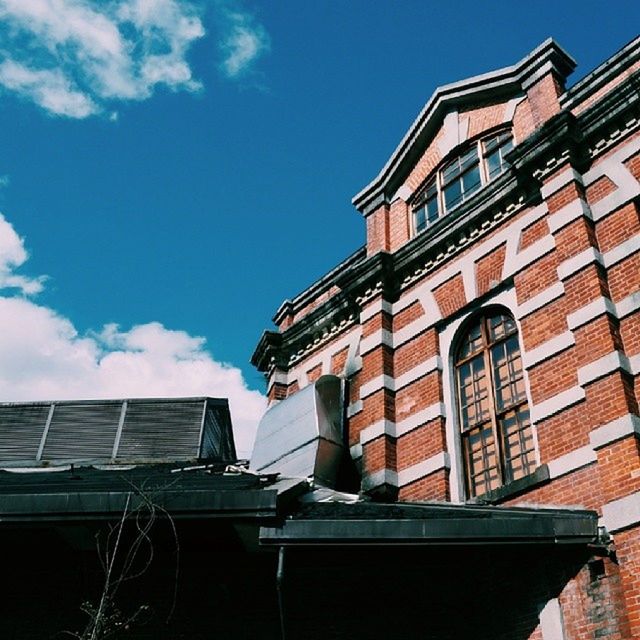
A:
280, 589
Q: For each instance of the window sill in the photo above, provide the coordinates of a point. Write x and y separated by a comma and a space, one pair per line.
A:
539, 477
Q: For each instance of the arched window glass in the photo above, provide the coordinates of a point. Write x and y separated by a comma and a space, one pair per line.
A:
477, 165
497, 437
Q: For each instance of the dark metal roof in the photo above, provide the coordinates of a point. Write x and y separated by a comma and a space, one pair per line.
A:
88, 493
403, 523
108, 430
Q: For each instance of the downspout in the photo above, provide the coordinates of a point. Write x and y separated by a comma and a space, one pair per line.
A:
280, 589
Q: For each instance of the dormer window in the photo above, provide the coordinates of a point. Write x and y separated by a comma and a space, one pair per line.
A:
461, 177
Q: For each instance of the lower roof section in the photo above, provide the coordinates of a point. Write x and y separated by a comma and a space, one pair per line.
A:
365, 523
183, 492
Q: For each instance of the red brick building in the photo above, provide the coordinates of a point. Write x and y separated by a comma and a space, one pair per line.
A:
489, 329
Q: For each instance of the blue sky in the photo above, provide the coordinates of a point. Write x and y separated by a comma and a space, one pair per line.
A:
171, 171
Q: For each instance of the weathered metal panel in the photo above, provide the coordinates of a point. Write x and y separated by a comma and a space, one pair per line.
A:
21, 428
161, 429
116, 430
82, 430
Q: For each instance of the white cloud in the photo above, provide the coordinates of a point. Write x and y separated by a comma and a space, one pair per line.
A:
48, 88
245, 42
13, 255
43, 357
70, 57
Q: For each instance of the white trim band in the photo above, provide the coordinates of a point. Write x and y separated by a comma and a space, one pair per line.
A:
561, 180
540, 300
422, 469
555, 404
548, 349
396, 384
406, 476
621, 251
603, 367
396, 430
615, 430
628, 305
622, 513
566, 215
585, 314
571, 461
376, 339
567, 268
374, 308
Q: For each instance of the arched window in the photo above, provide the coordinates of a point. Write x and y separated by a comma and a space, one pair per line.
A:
497, 438
478, 164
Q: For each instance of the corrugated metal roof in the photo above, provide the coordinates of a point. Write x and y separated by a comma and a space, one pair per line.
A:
139, 429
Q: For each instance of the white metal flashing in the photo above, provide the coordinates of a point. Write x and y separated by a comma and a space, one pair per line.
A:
548, 349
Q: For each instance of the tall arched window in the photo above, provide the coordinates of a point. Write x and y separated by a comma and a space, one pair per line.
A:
497, 438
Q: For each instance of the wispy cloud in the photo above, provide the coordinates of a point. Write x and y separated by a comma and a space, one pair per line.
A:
245, 41
72, 57
42, 355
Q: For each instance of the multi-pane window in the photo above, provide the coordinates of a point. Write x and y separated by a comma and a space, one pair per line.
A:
494, 149
497, 437
461, 177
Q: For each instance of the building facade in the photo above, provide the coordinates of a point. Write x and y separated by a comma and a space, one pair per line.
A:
488, 332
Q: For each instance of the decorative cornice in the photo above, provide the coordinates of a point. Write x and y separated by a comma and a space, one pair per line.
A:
612, 68
491, 206
323, 285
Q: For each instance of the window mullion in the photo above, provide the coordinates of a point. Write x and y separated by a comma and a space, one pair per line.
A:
488, 364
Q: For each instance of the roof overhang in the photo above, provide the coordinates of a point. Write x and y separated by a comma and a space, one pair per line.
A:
503, 83
432, 524
89, 494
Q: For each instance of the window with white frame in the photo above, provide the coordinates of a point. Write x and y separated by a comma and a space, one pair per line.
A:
498, 444
461, 177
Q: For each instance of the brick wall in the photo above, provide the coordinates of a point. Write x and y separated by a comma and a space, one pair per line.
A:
561, 254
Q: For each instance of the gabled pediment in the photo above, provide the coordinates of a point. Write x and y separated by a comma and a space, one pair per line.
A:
442, 122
